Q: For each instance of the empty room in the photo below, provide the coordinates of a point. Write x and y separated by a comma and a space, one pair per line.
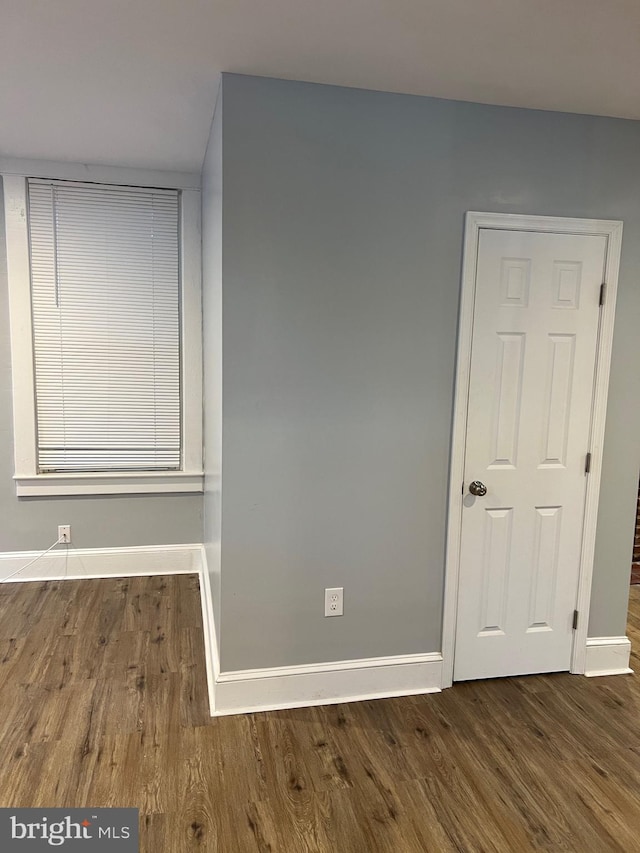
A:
319, 406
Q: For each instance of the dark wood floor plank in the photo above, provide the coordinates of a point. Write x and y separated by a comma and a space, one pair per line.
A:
104, 702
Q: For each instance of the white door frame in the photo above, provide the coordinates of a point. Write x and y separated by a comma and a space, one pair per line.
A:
612, 230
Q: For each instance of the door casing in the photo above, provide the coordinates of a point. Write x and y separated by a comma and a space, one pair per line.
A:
474, 222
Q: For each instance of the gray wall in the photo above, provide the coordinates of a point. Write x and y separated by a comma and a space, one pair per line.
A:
212, 350
28, 524
343, 224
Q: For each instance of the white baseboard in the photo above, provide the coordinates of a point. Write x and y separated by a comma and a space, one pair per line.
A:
69, 563
248, 690
276, 688
608, 656
211, 655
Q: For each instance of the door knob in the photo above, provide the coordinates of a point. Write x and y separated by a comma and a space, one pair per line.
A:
477, 488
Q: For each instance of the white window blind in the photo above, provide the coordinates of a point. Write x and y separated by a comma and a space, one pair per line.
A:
105, 296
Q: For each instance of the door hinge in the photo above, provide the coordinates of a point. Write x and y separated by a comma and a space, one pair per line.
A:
587, 464
603, 290
575, 620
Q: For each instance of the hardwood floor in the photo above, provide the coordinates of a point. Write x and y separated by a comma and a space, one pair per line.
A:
103, 703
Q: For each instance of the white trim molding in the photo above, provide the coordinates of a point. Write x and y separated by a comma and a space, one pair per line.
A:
279, 688
612, 231
247, 691
120, 483
211, 654
122, 175
607, 656
242, 691
69, 563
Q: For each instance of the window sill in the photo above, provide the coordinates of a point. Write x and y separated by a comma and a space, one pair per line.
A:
120, 483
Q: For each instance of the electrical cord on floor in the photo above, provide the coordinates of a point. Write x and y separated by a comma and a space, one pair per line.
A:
35, 560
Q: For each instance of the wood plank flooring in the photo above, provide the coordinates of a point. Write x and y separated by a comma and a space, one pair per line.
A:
103, 702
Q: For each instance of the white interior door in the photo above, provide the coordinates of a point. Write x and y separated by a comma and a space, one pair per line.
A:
531, 389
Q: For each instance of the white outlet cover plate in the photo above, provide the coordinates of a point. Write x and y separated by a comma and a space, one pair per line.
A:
334, 601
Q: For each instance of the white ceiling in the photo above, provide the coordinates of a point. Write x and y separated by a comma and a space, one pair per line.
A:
132, 82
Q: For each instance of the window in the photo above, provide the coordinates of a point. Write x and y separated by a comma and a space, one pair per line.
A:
104, 289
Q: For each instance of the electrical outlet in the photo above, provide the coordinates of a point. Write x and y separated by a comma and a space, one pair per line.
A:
334, 601
64, 533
